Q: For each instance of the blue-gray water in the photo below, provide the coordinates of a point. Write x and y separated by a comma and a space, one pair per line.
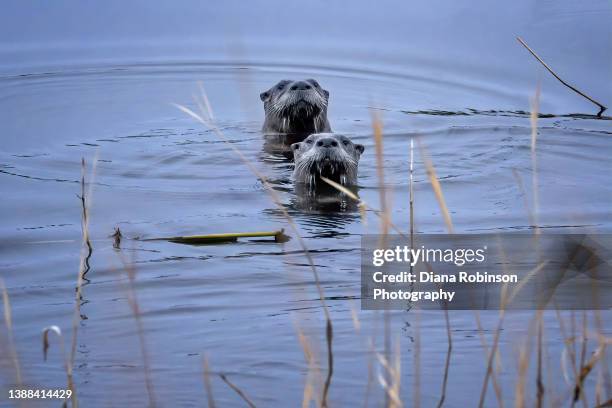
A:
98, 80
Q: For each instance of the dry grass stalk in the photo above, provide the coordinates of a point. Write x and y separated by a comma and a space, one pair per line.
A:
377, 128
598, 389
435, 184
308, 393
397, 374
135, 308
523, 282
539, 383
524, 354
604, 372
416, 389
392, 380
578, 383
431, 173
385, 216
207, 384
207, 119
371, 356
578, 391
533, 117
602, 108
237, 390
84, 197
493, 355
449, 351
506, 299
58, 332
519, 182
363, 207
411, 194
355, 317
8, 321
535, 107
84, 267
313, 376
485, 347
411, 204
386, 221
606, 404
67, 362
603, 341
585, 370
568, 340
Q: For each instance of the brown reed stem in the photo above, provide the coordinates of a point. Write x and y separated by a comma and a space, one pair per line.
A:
492, 354
238, 391
485, 347
539, 382
207, 385
67, 363
416, 393
377, 128
435, 184
85, 222
8, 321
448, 357
83, 269
135, 308
535, 107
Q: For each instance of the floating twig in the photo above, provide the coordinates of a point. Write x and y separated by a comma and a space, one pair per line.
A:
602, 108
279, 236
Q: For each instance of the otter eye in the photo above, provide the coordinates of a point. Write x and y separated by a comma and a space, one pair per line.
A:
345, 142
280, 87
309, 141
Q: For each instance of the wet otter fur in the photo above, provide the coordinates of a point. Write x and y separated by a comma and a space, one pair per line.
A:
328, 155
296, 108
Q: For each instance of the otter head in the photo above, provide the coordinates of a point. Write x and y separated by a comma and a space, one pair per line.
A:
296, 107
326, 155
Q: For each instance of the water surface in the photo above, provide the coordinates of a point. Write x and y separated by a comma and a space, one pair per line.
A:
99, 82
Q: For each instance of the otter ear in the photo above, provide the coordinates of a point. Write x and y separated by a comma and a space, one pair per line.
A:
265, 96
360, 148
295, 146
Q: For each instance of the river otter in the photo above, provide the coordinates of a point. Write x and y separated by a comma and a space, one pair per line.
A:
297, 108
329, 155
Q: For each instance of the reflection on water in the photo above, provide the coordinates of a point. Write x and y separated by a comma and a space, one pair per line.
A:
160, 174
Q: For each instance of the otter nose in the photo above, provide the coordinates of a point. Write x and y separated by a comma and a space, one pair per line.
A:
327, 142
300, 86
